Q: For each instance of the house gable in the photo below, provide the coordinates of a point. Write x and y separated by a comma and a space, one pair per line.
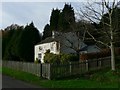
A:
42, 48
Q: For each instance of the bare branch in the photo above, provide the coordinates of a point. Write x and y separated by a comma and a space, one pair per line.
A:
97, 40
86, 16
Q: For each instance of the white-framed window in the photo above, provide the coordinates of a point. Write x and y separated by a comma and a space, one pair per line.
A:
39, 56
40, 48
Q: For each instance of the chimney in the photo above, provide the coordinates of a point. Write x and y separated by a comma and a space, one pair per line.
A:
53, 34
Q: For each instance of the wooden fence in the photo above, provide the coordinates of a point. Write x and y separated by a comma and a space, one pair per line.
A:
51, 71
24, 66
76, 68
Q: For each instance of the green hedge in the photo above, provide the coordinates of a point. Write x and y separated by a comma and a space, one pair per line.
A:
59, 58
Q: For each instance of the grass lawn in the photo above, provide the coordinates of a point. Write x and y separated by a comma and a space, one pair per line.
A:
101, 79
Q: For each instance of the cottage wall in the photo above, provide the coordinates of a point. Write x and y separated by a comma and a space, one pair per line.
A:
41, 49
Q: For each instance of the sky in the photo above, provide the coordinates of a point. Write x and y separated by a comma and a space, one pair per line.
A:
23, 12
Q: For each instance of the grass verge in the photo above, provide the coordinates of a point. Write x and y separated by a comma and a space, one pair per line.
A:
0, 69
80, 82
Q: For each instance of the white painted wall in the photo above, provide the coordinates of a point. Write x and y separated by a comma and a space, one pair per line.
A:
52, 46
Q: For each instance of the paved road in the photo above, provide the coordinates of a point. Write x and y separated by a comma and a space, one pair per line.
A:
8, 82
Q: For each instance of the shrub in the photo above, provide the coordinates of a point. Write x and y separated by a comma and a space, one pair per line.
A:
51, 58
48, 51
36, 61
99, 77
68, 57
64, 58
61, 58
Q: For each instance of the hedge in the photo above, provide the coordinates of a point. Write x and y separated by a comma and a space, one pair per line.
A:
59, 58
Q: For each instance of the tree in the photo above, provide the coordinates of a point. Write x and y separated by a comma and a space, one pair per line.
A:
115, 24
18, 42
60, 21
109, 29
10, 36
13, 43
66, 18
28, 38
54, 19
47, 32
80, 28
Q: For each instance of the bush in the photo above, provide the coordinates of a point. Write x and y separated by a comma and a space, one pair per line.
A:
36, 61
61, 58
105, 76
64, 58
99, 77
51, 58
68, 57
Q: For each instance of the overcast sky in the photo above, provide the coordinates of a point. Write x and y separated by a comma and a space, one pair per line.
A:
22, 13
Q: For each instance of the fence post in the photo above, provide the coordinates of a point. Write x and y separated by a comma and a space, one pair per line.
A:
49, 71
70, 67
87, 68
100, 64
40, 69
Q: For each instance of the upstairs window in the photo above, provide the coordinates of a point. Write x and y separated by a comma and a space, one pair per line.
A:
39, 56
40, 48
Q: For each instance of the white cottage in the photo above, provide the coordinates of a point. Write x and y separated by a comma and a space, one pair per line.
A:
62, 43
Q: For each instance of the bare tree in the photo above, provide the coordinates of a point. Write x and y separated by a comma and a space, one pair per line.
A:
109, 29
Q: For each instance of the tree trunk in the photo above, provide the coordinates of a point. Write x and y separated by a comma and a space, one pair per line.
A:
112, 57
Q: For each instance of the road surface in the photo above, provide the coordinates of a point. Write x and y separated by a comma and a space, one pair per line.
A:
9, 82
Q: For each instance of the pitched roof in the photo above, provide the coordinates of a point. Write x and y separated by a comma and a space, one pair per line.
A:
86, 48
49, 39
